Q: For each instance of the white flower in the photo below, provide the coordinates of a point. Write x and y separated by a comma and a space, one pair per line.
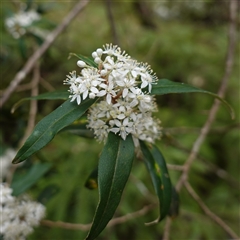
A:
18, 215
18, 23
72, 78
120, 81
126, 85
123, 127
75, 90
108, 91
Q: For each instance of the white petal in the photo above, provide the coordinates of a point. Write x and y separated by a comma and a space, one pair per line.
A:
92, 95
95, 83
109, 98
101, 93
125, 92
115, 130
121, 116
78, 99
120, 83
123, 135
117, 122
125, 122
144, 84
94, 90
85, 94
134, 103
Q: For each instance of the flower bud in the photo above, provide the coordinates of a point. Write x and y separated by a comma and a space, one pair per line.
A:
81, 64
99, 52
92, 95
97, 60
94, 55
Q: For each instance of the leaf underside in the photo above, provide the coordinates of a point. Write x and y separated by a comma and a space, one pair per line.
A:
157, 168
31, 177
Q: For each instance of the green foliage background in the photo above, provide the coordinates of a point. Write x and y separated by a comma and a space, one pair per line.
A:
188, 47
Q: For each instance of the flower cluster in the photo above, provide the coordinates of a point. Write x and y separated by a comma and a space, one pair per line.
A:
124, 85
18, 215
18, 23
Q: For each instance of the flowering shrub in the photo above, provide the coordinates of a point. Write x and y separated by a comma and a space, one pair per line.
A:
117, 93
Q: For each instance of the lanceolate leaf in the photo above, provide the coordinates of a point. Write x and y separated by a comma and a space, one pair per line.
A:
63, 94
87, 60
49, 126
165, 86
158, 170
113, 171
31, 177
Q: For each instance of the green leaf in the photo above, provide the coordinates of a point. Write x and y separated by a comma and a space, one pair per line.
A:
113, 171
63, 94
48, 192
87, 60
157, 168
49, 126
165, 86
175, 202
28, 180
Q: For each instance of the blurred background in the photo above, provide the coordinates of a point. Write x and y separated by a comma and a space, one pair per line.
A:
183, 41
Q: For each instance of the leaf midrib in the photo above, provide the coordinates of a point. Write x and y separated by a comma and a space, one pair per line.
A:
118, 153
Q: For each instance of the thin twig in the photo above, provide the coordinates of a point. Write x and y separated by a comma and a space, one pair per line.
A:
66, 225
166, 232
131, 216
228, 69
24, 87
175, 167
221, 173
46, 85
86, 227
33, 104
206, 128
31, 117
209, 213
111, 21
41, 50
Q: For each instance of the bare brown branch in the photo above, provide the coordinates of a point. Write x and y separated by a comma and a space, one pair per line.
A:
166, 232
221, 92
233, 6
66, 225
131, 216
41, 50
86, 227
33, 103
209, 213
